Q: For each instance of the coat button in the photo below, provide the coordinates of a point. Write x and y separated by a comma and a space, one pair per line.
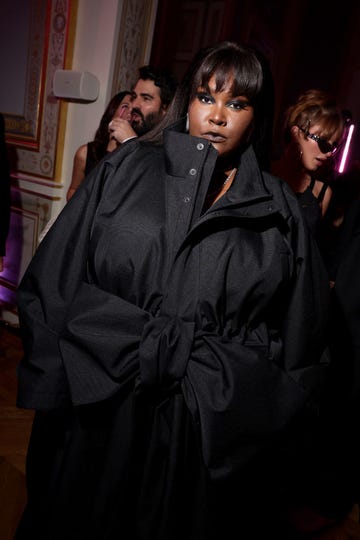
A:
192, 172
200, 146
187, 199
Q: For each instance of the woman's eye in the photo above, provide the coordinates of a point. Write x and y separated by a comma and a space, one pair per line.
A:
238, 105
204, 98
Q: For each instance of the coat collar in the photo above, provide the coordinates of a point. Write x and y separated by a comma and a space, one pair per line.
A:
185, 153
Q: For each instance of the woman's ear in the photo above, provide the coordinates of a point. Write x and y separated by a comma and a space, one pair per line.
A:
295, 132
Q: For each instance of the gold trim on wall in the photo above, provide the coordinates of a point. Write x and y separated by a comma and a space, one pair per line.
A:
32, 142
63, 104
23, 129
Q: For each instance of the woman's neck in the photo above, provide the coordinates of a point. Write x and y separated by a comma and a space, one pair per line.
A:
226, 164
220, 182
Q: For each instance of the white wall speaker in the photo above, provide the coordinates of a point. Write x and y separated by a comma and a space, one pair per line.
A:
75, 85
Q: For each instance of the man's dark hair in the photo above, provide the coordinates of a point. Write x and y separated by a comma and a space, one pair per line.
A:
163, 78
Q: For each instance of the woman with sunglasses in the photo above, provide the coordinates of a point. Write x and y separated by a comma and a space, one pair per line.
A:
314, 126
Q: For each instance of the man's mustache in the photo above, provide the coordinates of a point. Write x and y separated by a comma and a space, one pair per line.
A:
138, 113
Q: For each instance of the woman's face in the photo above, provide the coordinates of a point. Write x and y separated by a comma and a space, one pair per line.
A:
221, 118
312, 155
124, 109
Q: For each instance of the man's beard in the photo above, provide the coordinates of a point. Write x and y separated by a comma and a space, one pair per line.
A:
146, 123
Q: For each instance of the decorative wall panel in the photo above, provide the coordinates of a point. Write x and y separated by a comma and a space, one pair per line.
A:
135, 34
32, 122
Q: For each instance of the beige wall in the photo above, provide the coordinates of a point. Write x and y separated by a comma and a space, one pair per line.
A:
94, 51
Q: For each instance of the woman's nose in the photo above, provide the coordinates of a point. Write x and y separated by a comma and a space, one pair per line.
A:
217, 117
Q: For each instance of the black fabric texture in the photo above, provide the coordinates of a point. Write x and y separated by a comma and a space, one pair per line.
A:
173, 356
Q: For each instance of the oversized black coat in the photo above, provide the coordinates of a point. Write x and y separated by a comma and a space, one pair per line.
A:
173, 355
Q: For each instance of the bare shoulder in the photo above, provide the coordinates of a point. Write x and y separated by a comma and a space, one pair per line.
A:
81, 152
319, 187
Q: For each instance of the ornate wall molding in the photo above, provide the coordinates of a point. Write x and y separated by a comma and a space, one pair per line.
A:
135, 36
34, 132
32, 139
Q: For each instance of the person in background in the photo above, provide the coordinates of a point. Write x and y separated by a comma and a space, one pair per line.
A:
88, 155
146, 105
314, 126
151, 96
173, 322
4, 194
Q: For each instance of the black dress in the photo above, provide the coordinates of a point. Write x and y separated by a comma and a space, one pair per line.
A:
311, 205
93, 156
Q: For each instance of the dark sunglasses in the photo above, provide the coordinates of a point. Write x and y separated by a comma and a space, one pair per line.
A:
324, 146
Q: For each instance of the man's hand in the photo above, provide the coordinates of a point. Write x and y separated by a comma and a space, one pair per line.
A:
120, 130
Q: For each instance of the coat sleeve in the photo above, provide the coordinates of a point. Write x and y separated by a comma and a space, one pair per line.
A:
83, 344
60, 367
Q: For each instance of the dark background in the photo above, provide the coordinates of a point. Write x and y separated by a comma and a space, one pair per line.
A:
307, 43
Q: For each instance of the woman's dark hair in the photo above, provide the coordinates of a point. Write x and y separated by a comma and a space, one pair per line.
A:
163, 79
251, 79
101, 138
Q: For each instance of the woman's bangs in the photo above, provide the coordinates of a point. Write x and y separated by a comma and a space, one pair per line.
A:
246, 76
331, 125
248, 79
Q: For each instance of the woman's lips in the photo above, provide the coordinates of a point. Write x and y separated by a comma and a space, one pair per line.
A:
214, 137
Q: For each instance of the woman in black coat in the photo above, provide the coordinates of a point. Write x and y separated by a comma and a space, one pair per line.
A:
173, 322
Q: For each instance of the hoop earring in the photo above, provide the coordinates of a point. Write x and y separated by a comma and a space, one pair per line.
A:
187, 125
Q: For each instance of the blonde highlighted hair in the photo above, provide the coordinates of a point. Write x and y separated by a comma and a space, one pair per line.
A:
315, 108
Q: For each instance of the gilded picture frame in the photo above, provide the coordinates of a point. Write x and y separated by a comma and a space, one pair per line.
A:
38, 29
